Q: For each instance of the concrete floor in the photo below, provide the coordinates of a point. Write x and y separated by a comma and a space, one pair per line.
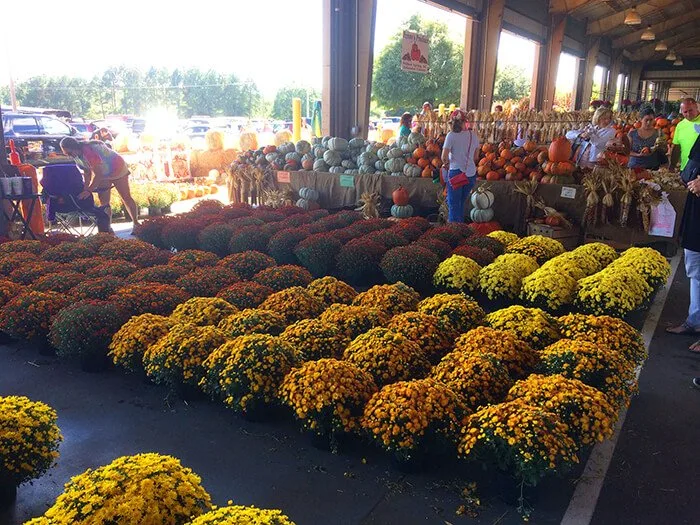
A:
652, 478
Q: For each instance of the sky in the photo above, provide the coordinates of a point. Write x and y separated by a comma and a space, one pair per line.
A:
273, 42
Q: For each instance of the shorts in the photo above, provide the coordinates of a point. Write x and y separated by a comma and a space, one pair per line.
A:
109, 184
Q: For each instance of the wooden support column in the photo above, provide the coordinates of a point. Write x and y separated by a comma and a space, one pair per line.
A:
635, 90
326, 68
469, 94
553, 52
536, 83
615, 68
366, 18
491, 24
591, 60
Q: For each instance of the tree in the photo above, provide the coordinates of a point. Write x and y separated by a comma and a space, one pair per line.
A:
282, 106
511, 83
399, 90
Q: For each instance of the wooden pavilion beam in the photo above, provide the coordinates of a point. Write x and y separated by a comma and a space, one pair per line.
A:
646, 52
490, 33
563, 7
592, 49
635, 38
608, 23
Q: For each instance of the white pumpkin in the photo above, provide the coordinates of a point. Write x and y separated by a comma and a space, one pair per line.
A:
482, 199
481, 215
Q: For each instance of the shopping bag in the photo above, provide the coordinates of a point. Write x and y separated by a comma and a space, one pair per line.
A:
663, 218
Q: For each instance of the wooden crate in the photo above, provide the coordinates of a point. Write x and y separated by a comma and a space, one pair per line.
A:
569, 237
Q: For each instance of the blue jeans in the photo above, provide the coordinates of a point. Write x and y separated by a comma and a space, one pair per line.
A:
692, 268
456, 198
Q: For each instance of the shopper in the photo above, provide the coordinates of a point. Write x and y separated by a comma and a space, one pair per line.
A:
643, 152
459, 154
690, 225
103, 169
405, 125
596, 136
687, 131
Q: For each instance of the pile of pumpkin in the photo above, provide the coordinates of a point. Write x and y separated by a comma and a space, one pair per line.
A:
504, 162
556, 164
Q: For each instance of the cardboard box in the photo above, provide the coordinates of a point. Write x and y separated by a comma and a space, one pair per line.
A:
569, 237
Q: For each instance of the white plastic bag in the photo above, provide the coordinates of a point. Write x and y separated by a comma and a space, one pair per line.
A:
663, 218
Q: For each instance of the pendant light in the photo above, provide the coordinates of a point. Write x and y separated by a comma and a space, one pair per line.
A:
648, 34
678, 62
661, 46
632, 17
671, 56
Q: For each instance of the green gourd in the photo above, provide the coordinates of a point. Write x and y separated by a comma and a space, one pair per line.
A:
401, 212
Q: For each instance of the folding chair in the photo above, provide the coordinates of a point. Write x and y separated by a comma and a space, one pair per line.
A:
61, 185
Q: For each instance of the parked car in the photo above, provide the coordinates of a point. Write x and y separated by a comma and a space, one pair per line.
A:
36, 136
196, 135
84, 129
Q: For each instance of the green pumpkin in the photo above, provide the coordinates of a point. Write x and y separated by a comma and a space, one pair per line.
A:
336, 169
401, 212
379, 165
395, 165
412, 170
416, 139
348, 165
366, 170
383, 153
302, 147
332, 158
286, 147
338, 144
319, 151
368, 158
356, 143
309, 194
320, 165
293, 156
481, 215
394, 153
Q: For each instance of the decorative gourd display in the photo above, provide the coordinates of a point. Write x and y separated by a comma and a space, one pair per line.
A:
559, 150
401, 212
482, 199
400, 196
338, 144
481, 215
309, 194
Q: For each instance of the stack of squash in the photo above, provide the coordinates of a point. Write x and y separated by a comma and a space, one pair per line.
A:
427, 157
556, 163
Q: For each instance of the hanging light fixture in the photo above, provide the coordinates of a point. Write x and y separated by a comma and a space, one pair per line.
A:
678, 62
648, 34
661, 46
671, 56
632, 17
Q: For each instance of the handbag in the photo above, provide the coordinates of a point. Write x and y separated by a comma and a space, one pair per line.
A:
460, 179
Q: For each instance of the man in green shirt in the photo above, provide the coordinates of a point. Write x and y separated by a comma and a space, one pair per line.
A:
686, 132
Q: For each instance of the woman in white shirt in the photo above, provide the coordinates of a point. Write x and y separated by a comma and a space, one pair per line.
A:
459, 154
597, 135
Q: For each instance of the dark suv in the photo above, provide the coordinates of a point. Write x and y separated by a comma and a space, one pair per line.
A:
36, 136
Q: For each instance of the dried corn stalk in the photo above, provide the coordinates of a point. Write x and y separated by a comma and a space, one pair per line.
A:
551, 212
591, 185
369, 205
528, 189
443, 210
627, 185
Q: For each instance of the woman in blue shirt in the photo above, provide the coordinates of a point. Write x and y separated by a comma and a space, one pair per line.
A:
405, 125
644, 153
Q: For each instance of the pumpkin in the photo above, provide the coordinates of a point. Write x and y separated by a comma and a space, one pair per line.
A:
482, 171
419, 152
400, 196
416, 138
382, 153
368, 158
338, 144
348, 164
520, 166
401, 212
269, 149
411, 170
488, 148
493, 175
530, 146
411, 160
324, 141
293, 157
395, 165
482, 199
423, 162
559, 150
356, 143
481, 215
366, 170
506, 154
307, 205
433, 148
320, 165
662, 122
395, 153
332, 158
427, 172
436, 162
379, 165
319, 151
309, 194
374, 147
336, 169
408, 147
302, 147
291, 166
286, 147
553, 220
307, 162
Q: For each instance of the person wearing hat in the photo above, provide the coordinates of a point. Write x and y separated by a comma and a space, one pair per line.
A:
459, 153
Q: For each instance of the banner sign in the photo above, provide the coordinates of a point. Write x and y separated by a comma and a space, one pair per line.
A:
414, 53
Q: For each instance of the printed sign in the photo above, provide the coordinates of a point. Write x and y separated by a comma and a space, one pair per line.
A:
568, 193
283, 176
414, 53
347, 181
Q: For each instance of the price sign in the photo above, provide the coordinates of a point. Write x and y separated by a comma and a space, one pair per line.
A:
347, 181
568, 193
283, 176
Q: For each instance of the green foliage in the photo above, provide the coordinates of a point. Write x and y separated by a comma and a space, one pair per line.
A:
398, 90
282, 106
511, 83
125, 90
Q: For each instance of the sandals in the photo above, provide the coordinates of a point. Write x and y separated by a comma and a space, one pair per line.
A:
694, 348
683, 329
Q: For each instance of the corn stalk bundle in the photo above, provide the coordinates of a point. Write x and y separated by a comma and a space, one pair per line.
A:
648, 198
443, 209
275, 198
551, 212
627, 187
591, 185
528, 189
369, 205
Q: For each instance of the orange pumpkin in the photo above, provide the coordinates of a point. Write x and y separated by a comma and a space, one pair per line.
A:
419, 152
516, 159
423, 162
484, 161
487, 148
559, 150
542, 157
493, 175
553, 220
436, 162
427, 172
530, 146
662, 122
490, 156
433, 148
510, 169
506, 154
519, 152
411, 160
520, 166
482, 171
499, 163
